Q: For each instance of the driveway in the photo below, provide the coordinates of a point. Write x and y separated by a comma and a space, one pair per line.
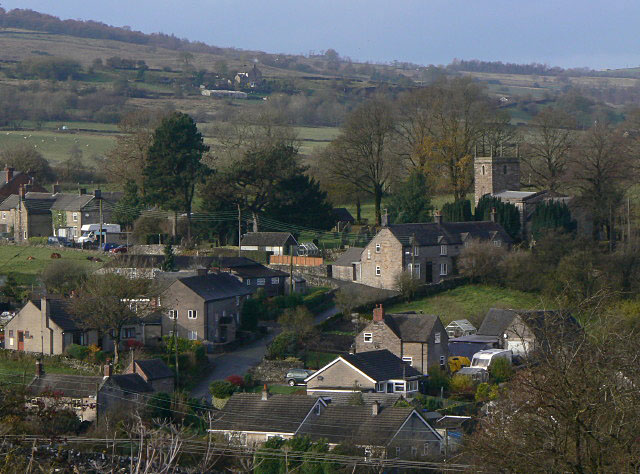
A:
242, 359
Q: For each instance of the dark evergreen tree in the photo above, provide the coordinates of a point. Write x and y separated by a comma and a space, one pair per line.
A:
11, 290
299, 200
169, 264
128, 208
412, 200
551, 215
507, 214
459, 211
174, 165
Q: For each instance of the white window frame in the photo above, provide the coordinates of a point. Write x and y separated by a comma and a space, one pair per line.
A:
25, 235
414, 451
436, 338
399, 387
378, 248
275, 280
369, 254
378, 270
367, 337
443, 249
192, 314
416, 251
408, 359
442, 360
414, 269
192, 335
443, 269
74, 216
237, 301
260, 281
4, 215
497, 243
173, 314
248, 281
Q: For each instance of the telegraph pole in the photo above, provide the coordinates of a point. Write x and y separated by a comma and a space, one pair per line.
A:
98, 195
239, 228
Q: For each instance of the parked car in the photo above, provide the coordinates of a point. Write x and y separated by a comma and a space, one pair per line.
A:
59, 241
108, 246
297, 376
119, 249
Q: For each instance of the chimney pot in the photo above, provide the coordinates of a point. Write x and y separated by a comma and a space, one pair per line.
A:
8, 173
437, 217
265, 392
375, 408
108, 369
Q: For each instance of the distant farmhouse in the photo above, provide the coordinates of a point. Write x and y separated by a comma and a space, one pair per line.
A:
251, 78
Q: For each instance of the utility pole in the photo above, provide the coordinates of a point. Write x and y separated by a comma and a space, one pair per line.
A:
98, 195
175, 342
239, 228
291, 270
413, 255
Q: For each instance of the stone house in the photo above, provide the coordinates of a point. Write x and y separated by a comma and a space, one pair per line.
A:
254, 275
274, 243
375, 371
347, 266
204, 308
250, 419
251, 78
428, 250
525, 331
383, 431
71, 211
420, 340
154, 372
27, 214
13, 180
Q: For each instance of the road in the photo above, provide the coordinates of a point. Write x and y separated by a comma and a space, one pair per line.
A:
242, 359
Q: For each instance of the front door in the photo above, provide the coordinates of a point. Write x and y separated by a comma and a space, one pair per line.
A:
389, 387
428, 272
20, 340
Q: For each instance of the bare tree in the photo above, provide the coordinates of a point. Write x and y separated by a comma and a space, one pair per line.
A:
548, 149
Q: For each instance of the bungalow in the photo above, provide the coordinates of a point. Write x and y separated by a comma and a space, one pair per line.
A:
347, 266
274, 243
375, 371
420, 340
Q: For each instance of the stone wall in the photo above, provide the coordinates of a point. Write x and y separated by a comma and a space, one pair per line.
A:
274, 371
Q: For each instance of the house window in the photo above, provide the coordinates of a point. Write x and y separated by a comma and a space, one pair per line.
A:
129, 333
437, 338
416, 269
441, 361
192, 335
368, 337
416, 251
398, 387
260, 281
4, 215
192, 314
26, 334
414, 451
10, 332
275, 280
380, 387
75, 217
443, 269
173, 314
443, 249
378, 247
25, 235
378, 273
408, 359
368, 254
482, 169
504, 169
497, 243
426, 449
413, 386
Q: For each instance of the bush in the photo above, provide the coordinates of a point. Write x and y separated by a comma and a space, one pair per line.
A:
201, 353
500, 370
222, 389
235, 380
63, 422
38, 240
461, 384
284, 344
77, 351
159, 406
486, 392
480, 262
426, 402
248, 381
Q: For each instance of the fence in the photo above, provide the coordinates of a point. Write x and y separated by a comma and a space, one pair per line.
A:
297, 261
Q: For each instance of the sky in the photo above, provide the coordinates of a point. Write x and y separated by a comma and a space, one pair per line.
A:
569, 33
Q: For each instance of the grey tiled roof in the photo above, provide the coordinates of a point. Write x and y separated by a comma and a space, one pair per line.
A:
497, 321
131, 383
154, 369
356, 424
341, 214
431, 233
411, 327
381, 365
266, 239
349, 256
60, 313
346, 398
279, 413
75, 386
215, 286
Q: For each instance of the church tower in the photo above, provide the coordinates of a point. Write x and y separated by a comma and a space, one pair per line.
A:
494, 174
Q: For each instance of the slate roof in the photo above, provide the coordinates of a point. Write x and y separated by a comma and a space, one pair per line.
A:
234, 262
59, 313
130, 383
381, 365
345, 398
432, 233
266, 239
411, 327
341, 214
74, 386
154, 369
279, 413
348, 257
13, 186
215, 286
258, 271
77, 202
356, 424
35, 202
497, 321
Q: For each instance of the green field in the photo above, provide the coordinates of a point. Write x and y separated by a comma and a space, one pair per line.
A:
368, 209
471, 302
55, 146
14, 259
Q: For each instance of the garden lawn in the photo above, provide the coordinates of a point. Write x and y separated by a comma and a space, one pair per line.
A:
471, 302
20, 368
13, 259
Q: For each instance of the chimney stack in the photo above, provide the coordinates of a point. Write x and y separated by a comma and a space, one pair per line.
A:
437, 217
39, 369
378, 313
21, 191
56, 188
493, 214
375, 408
8, 173
108, 369
265, 392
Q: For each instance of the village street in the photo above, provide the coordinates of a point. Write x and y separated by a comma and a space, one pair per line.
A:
241, 360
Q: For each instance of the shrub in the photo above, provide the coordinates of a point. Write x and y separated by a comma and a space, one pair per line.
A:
63, 422
38, 240
437, 379
77, 351
235, 380
461, 384
500, 370
200, 352
480, 262
248, 381
222, 389
426, 402
159, 405
284, 344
